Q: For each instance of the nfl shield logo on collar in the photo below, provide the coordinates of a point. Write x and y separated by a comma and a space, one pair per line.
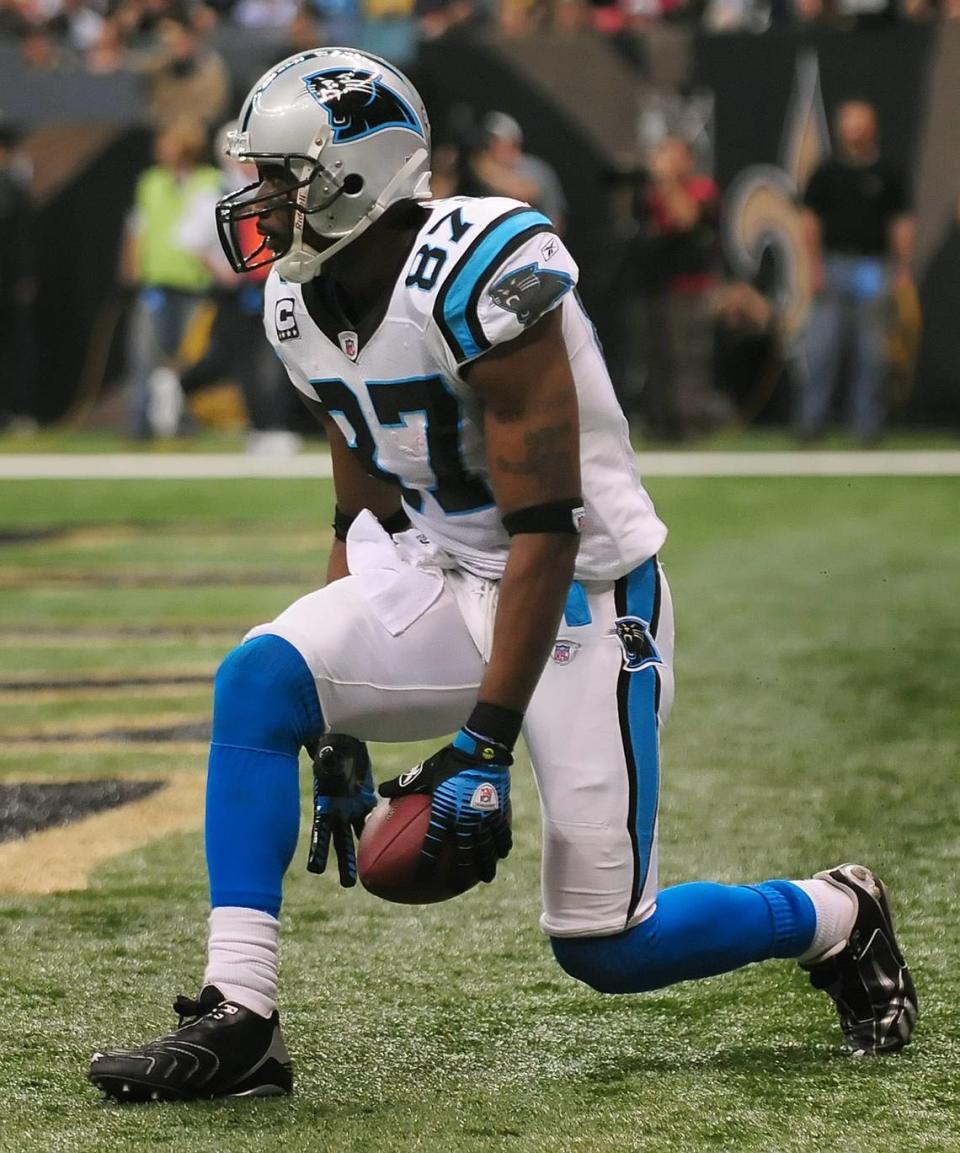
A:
349, 344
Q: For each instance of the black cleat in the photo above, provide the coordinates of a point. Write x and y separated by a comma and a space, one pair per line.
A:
223, 1050
868, 978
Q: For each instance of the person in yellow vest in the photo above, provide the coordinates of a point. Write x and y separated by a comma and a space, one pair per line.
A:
171, 280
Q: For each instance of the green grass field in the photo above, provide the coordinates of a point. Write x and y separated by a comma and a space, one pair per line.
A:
816, 721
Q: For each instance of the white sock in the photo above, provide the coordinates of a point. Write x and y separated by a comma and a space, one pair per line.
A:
836, 912
242, 957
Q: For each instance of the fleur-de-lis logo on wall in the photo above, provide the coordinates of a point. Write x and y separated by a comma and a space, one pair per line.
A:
762, 219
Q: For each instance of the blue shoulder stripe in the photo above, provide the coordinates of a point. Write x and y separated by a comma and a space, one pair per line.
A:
456, 307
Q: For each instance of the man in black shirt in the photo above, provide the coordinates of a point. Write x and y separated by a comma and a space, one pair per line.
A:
860, 242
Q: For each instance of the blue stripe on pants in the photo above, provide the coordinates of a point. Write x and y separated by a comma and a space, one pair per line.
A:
637, 595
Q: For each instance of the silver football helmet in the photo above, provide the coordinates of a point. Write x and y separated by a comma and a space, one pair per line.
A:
337, 136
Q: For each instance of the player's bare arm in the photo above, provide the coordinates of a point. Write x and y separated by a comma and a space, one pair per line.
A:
355, 489
532, 433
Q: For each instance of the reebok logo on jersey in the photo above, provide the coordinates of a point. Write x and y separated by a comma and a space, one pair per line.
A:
285, 319
639, 648
409, 776
550, 248
485, 798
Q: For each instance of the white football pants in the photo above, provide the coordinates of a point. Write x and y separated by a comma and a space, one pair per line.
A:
389, 673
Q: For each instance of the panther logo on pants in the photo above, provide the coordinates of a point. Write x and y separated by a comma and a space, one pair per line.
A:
639, 648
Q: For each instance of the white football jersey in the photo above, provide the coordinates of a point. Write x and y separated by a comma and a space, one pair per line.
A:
480, 271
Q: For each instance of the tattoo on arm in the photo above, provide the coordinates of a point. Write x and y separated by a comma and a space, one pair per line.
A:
549, 454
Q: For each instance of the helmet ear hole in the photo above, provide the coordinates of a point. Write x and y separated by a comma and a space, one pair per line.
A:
352, 184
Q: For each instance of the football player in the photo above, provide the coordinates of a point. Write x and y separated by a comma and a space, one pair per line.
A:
494, 571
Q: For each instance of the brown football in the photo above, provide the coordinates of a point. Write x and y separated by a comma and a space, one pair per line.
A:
388, 854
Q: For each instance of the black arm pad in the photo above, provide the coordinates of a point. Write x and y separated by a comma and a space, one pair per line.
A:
395, 522
565, 516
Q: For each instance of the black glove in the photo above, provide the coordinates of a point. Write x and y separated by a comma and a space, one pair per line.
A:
342, 797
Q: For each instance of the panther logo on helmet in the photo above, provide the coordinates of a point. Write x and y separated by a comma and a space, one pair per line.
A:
359, 103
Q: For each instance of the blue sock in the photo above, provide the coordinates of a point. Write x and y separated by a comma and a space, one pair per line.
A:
697, 930
265, 708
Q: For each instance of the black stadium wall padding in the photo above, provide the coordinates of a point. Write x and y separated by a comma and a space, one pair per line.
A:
79, 232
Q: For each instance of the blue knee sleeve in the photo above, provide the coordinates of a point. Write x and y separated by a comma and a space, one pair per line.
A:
697, 930
265, 708
265, 698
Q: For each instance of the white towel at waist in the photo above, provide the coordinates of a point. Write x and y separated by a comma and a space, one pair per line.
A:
399, 578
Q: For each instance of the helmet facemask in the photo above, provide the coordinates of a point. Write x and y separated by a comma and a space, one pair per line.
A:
304, 179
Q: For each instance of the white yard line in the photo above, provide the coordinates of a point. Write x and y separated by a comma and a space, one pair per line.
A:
159, 466
903, 463
203, 466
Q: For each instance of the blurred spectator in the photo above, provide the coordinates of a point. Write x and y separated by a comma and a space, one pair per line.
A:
78, 24
389, 28
812, 11
867, 13
237, 350
187, 78
40, 50
681, 255
171, 280
645, 13
13, 22
339, 19
749, 356
141, 21
109, 52
860, 236
506, 170
16, 288
919, 10
304, 31
263, 14
437, 17
738, 15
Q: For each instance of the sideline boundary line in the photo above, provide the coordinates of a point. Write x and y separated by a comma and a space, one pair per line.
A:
230, 466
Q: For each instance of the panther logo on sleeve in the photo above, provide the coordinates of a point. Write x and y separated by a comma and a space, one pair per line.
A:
530, 291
